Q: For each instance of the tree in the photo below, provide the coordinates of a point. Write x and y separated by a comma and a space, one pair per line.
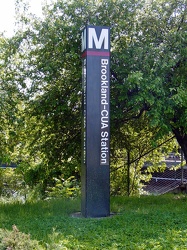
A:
148, 77
10, 98
148, 68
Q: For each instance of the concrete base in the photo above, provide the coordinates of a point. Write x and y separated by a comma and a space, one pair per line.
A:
79, 215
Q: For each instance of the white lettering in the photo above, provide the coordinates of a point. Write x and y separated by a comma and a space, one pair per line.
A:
103, 161
103, 77
103, 71
104, 84
104, 102
104, 125
104, 119
102, 40
103, 91
104, 156
104, 62
104, 134
104, 114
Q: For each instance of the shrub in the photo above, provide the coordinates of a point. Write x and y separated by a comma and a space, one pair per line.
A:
11, 183
69, 188
16, 240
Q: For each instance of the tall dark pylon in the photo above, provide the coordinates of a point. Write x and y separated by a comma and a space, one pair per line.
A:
95, 176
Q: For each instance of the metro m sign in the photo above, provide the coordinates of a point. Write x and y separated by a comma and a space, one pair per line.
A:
95, 38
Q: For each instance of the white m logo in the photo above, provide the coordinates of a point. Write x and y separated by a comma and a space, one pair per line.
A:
102, 40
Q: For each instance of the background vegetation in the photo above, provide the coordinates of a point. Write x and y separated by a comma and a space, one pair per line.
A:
40, 104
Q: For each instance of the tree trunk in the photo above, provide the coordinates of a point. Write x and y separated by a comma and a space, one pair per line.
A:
182, 140
128, 173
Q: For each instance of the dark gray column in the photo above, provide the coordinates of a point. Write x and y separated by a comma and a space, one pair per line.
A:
95, 176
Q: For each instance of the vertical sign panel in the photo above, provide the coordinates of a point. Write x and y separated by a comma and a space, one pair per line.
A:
95, 176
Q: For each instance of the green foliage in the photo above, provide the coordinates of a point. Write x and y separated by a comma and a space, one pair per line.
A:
15, 240
148, 222
11, 183
146, 62
143, 145
64, 188
41, 88
29, 185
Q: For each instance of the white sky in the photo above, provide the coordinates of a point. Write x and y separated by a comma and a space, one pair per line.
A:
7, 13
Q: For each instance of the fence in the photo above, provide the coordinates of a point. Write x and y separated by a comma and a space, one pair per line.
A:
170, 179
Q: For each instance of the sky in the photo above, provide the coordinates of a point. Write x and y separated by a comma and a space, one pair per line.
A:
7, 13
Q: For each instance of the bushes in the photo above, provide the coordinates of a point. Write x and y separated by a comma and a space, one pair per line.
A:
11, 183
14, 186
64, 188
15, 240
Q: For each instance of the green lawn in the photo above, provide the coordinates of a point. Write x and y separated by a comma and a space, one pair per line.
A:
148, 222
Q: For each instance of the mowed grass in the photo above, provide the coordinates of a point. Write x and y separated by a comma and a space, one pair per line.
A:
148, 222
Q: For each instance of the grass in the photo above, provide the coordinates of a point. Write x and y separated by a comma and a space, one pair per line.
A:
148, 222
